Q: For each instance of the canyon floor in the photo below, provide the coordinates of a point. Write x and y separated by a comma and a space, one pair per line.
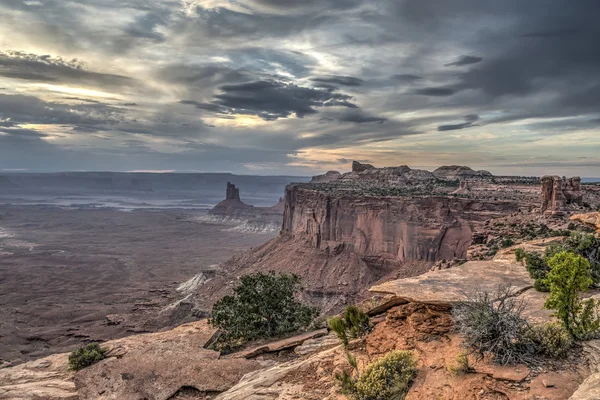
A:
62, 271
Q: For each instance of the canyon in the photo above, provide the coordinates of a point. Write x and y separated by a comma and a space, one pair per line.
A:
404, 244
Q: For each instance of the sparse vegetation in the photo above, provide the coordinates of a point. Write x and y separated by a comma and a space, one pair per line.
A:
571, 275
492, 323
86, 356
353, 324
461, 366
552, 339
263, 306
388, 378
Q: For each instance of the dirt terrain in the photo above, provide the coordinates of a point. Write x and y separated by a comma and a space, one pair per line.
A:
63, 271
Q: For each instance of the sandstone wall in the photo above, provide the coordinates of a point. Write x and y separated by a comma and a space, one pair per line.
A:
389, 229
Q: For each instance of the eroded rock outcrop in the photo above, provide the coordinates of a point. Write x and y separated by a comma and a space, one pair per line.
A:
329, 176
388, 230
559, 192
458, 172
360, 167
246, 217
591, 220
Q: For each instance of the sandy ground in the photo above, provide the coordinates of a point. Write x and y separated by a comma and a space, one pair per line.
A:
62, 272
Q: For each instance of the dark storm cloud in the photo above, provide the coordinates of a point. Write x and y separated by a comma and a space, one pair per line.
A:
271, 100
339, 80
45, 68
469, 122
436, 91
278, 58
408, 78
464, 60
359, 117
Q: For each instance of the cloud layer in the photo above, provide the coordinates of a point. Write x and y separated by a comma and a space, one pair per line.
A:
277, 86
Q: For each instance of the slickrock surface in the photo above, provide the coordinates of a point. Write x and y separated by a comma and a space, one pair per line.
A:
47, 378
451, 285
151, 366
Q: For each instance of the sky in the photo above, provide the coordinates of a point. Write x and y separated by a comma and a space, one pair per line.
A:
300, 87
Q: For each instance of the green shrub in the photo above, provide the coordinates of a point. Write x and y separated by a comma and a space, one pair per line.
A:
507, 242
588, 246
571, 275
552, 339
390, 377
353, 324
86, 356
520, 254
492, 323
263, 306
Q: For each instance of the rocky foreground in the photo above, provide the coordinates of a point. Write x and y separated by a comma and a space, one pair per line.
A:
411, 313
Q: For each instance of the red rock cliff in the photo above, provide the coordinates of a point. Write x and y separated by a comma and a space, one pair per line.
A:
388, 229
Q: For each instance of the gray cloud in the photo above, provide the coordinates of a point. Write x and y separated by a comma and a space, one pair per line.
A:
436, 91
464, 60
469, 122
337, 65
339, 80
45, 68
272, 99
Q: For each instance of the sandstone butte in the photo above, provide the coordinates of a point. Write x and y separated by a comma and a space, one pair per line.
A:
369, 235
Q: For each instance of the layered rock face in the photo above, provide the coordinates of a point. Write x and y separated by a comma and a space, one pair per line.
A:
557, 193
384, 230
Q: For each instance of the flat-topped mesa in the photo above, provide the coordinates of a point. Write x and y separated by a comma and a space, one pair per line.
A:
233, 193
558, 193
454, 172
388, 230
329, 176
360, 167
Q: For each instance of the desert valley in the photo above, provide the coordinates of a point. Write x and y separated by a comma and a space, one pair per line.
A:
405, 245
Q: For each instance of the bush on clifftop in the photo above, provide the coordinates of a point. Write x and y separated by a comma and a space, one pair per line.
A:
493, 324
570, 276
263, 306
388, 378
353, 324
86, 356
